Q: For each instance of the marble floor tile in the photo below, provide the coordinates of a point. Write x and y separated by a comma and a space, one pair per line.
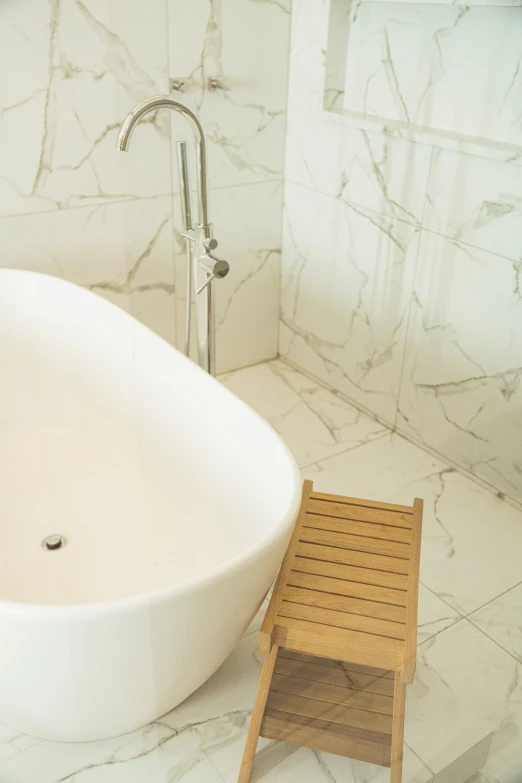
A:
457, 741
486, 677
218, 713
308, 766
508, 773
434, 614
490, 684
12, 742
314, 422
467, 531
157, 753
502, 621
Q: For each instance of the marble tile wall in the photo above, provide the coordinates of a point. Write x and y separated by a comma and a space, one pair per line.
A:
401, 258
72, 206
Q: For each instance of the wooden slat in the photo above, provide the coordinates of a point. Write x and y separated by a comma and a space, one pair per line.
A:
381, 516
277, 594
343, 620
413, 589
327, 737
344, 499
339, 643
321, 691
392, 565
343, 603
336, 713
357, 543
383, 595
335, 676
355, 528
345, 665
309, 565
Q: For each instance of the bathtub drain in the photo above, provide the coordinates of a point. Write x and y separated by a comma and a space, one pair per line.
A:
53, 542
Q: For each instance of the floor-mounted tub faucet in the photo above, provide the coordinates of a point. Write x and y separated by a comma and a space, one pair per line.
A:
202, 267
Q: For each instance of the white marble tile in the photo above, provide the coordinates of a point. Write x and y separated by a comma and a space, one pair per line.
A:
491, 687
314, 422
460, 389
156, 753
453, 69
346, 286
219, 712
79, 69
122, 251
368, 169
486, 677
245, 121
247, 225
502, 621
508, 773
457, 741
467, 531
12, 742
477, 201
309, 766
434, 614
337, 769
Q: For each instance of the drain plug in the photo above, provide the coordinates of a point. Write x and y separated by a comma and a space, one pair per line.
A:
53, 542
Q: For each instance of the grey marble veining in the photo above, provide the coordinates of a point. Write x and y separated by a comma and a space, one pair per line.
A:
426, 337
75, 69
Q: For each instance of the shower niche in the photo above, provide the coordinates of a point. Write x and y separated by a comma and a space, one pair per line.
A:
442, 73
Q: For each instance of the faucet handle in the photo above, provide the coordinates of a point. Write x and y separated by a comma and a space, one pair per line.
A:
214, 266
210, 244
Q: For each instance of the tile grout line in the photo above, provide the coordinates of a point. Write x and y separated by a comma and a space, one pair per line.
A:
493, 599
412, 294
414, 224
512, 502
344, 451
484, 633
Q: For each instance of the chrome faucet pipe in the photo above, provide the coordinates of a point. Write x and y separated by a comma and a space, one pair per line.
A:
205, 267
164, 102
187, 225
184, 185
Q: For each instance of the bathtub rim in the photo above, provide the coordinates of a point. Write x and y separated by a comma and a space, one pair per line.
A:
128, 603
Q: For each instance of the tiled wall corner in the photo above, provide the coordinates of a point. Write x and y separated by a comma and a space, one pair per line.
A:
401, 263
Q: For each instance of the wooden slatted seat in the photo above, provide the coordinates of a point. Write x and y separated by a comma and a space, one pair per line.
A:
340, 632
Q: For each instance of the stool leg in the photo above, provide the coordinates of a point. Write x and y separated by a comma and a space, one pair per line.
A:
399, 707
257, 715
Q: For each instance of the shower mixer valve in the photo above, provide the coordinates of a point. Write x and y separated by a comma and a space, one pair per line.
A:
202, 267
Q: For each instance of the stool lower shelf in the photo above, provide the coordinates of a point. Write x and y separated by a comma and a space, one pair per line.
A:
330, 706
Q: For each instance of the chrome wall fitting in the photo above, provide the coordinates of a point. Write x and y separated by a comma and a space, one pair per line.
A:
205, 267
215, 83
179, 84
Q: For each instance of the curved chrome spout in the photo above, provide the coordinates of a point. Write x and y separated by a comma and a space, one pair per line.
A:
165, 102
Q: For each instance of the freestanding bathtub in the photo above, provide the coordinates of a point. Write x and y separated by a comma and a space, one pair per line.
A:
175, 500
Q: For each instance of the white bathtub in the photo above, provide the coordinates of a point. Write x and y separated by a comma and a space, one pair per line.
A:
176, 501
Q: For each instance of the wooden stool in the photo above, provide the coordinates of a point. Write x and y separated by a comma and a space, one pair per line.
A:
340, 632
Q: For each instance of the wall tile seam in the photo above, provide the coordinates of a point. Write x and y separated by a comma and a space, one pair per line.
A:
414, 224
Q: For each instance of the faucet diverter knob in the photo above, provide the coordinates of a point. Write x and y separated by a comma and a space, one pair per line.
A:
210, 244
215, 266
